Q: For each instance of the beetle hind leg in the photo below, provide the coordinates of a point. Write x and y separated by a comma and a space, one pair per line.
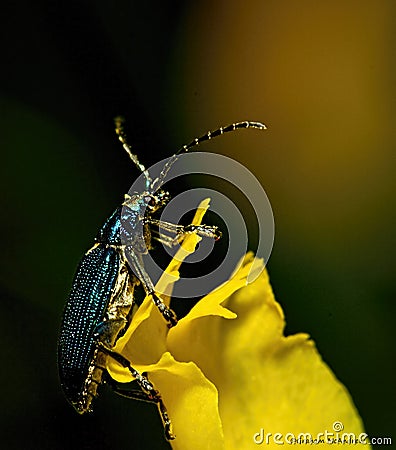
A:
148, 392
143, 396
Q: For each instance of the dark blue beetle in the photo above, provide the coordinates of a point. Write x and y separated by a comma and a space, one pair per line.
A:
101, 301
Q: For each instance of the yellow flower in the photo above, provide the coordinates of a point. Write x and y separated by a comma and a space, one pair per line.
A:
226, 372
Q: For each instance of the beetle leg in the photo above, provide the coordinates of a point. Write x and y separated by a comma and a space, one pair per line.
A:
164, 239
181, 230
148, 393
137, 264
143, 396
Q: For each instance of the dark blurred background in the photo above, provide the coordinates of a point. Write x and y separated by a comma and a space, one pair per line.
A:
319, 74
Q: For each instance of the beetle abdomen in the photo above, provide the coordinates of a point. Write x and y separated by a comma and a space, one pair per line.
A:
86, 306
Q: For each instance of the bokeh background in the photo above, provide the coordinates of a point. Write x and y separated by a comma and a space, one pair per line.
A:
321, 75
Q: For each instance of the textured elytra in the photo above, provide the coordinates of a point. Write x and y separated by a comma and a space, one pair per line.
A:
85, 310
88, 300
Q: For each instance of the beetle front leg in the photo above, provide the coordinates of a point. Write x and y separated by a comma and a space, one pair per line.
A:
180, 231
148, 392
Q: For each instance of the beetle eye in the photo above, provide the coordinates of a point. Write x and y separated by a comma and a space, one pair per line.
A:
150, 201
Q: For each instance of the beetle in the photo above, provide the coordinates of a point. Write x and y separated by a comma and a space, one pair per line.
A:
102, 302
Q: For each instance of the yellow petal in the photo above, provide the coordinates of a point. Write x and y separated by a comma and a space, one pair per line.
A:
192, 403
189, 340
265, 380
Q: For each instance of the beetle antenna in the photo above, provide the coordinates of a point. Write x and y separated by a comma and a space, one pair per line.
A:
206, 137
119, 129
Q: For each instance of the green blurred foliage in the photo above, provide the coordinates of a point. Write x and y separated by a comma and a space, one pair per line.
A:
320, 75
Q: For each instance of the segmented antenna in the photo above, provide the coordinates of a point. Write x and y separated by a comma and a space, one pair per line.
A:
205, 137
119, 129
212, 134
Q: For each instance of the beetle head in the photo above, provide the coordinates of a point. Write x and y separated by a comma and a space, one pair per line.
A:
157, 200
